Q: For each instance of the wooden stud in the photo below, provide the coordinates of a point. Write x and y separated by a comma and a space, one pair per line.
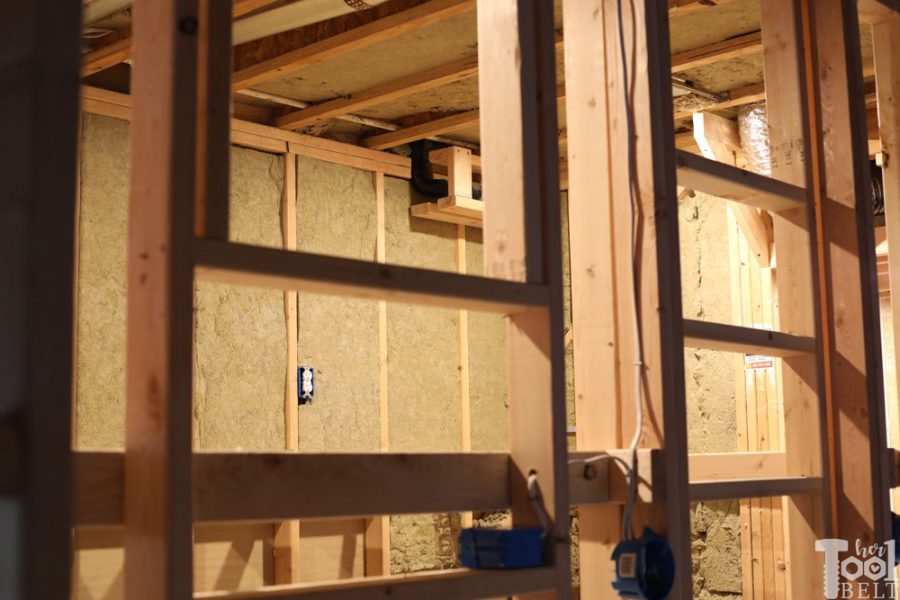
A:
213, 118
747, 340
158, 527
378, 529
592, 42
730, 183
799, 377
886, 43
517, 69
37, 224
241, 264
287, 533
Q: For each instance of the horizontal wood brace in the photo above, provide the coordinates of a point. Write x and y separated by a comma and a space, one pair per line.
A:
730, 183
745, 340
460, 584
278, 486
241, 264
753, 488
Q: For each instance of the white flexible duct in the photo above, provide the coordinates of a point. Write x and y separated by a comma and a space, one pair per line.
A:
98, 10
294, 15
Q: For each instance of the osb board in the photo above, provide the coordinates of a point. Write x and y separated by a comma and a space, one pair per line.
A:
240, 335
397, 57
488, 383
240, 354
714, 24
338, 337
332, 549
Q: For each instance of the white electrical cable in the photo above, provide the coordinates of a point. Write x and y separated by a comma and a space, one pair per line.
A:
630, 468
627, 530
534, 496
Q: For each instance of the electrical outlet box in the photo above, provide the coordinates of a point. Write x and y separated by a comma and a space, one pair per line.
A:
306, 385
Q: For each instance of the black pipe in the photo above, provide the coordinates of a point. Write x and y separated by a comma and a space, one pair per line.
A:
421, 178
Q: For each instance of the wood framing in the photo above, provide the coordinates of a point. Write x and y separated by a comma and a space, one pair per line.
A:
405, 86
799, 383
517, 67
287, 533
847, 263
742, 45
599, 217
157, 496
40, 124
354, 39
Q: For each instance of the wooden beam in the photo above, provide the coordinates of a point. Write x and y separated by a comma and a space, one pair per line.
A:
462, 584
602, 267
405, 86
718, 139
742, 45
378, 529
158, 419
522, 243
287, 533
241, 264
738, 185
741, 96
875, 12
446, 124
799, 379
732, 338
754, 488
267, 139
37, 225
349, 41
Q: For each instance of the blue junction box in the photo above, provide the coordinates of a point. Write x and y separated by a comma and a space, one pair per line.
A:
485, 548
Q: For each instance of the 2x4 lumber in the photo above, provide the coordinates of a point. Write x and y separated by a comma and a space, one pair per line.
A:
265, 138
738, 185
799, 379
462, 584
875, 12
593, 278
733, 338
349, 41
99, 479
743, 45
452, 209
378, 529
240, 264
718, 139
39, 147
741, 96
287, 533
158, 416
886, 43
597, 215
405, 86
423, 130
281, 486
522, 243
753, 488
213, 119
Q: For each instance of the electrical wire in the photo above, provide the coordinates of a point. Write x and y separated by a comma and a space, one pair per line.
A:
632, 466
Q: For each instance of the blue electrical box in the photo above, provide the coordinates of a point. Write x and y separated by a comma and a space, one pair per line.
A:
485, 548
